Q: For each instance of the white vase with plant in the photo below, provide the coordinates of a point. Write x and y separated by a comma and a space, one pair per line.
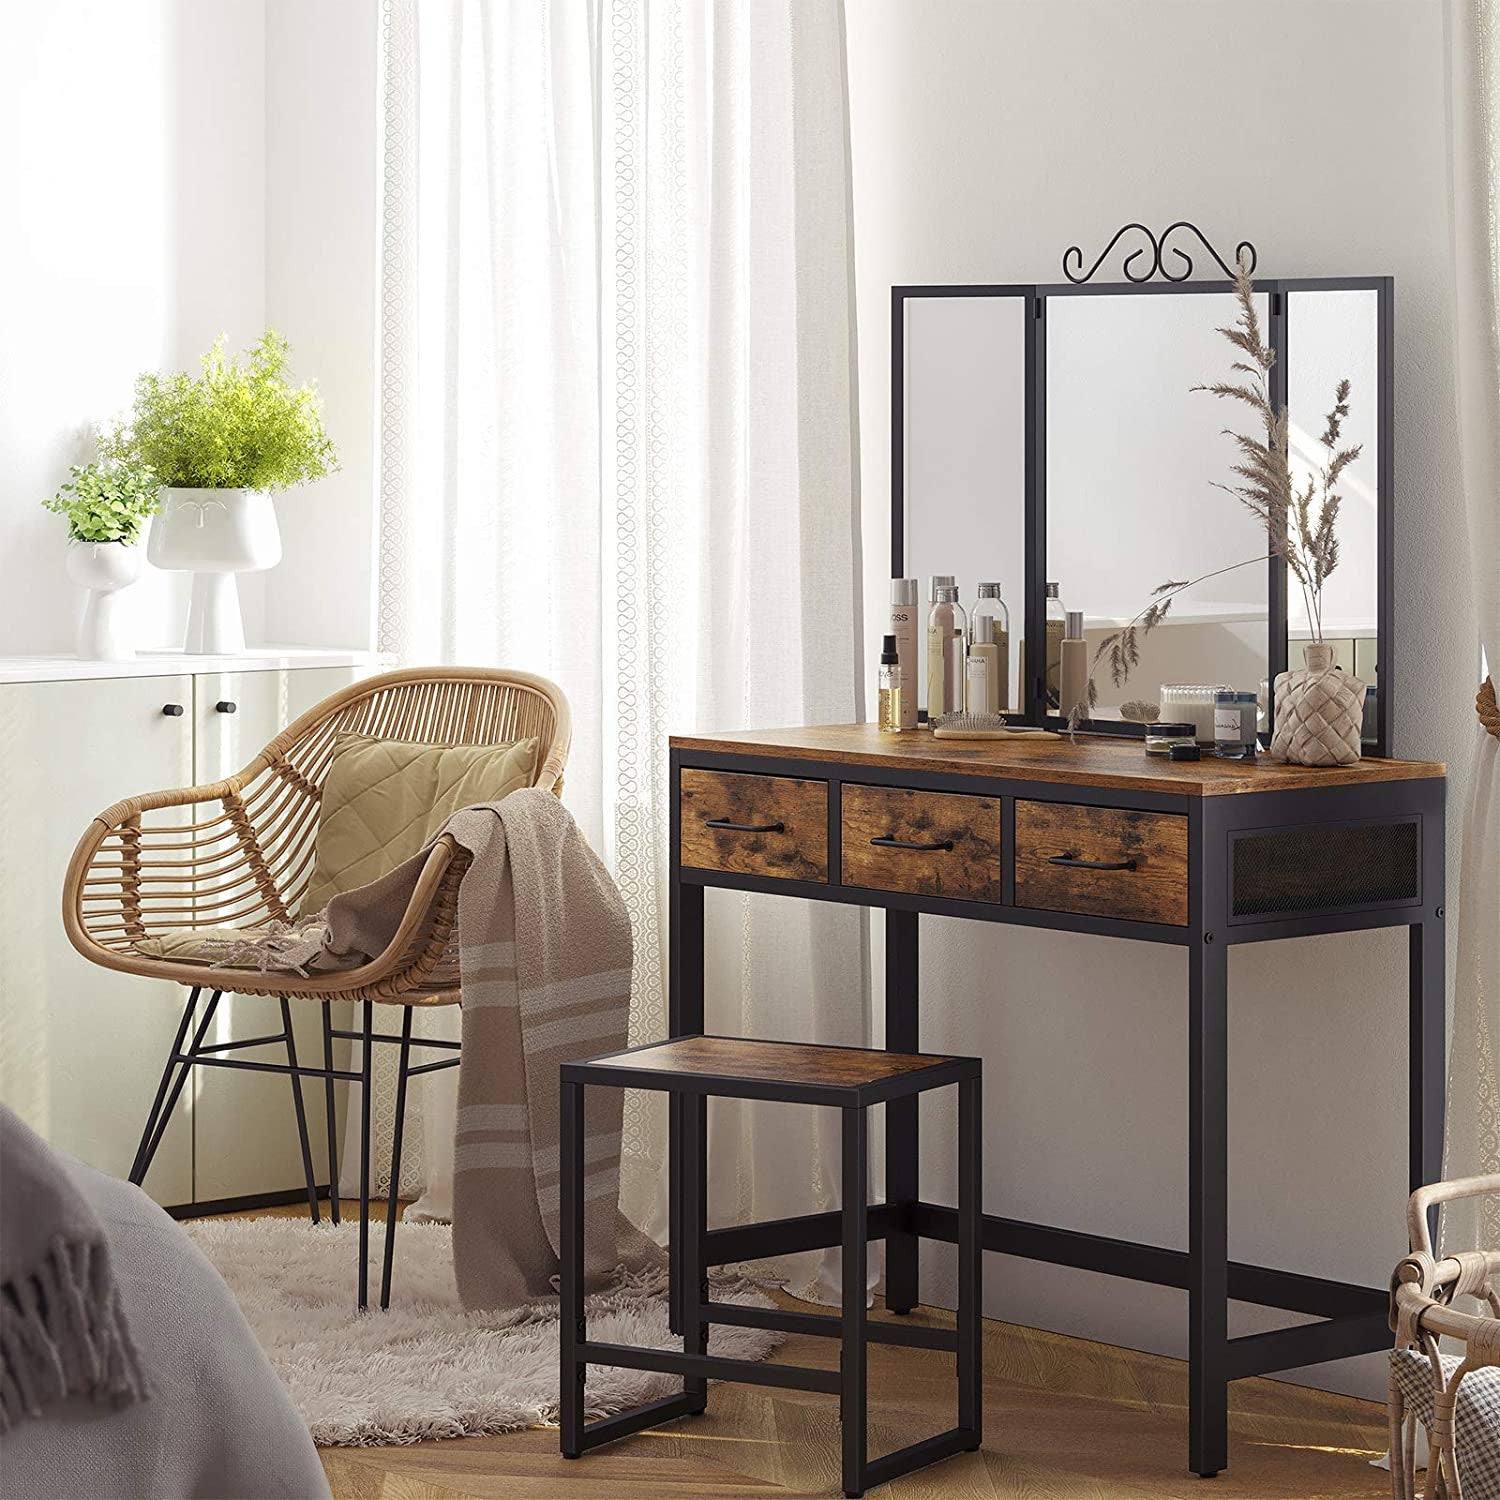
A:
222, 443
107, 506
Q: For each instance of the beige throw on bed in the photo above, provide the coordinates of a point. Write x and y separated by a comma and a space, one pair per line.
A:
544, 962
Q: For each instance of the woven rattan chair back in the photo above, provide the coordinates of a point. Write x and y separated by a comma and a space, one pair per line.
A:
240, 852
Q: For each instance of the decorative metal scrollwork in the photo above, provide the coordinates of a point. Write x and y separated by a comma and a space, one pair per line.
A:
1157, 247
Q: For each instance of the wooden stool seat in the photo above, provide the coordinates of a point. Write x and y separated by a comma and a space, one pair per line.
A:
850, 1079
738, 1067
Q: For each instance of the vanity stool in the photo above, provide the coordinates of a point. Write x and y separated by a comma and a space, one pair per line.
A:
850, 1079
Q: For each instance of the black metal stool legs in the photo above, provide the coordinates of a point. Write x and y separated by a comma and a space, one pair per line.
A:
853, 1362
572, 1328
331, 1110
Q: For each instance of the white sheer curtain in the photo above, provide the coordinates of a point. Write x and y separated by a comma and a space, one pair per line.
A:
618, 447
1473, 1143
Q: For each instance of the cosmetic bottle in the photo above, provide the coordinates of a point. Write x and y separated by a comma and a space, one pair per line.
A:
1073, 671
934, 646
991, 606
890, 687
904, 611
1057, 619
983, 670
946, 628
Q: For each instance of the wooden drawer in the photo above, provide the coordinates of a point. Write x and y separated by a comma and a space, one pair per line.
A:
927, 843
1102, 862
754, 825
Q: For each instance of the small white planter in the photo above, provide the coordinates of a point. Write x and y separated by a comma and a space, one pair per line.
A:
214, 535
104, 568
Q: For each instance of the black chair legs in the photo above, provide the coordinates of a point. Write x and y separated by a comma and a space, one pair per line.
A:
331, 1108
179, 1067
300, 1109
402, 1074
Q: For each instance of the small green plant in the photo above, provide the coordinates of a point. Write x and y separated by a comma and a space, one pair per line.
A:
239, 425
107, 502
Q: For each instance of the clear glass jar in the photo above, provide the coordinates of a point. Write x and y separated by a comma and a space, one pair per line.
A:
1161, 737
1234, 724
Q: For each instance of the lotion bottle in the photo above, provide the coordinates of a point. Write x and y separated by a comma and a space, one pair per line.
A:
991, 606
934, 646
983, 672
946, 629
903, 627
1074, 665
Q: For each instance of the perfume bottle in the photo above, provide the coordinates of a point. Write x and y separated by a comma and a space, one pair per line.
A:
991, 606
890, 687
1057, 621
947, 626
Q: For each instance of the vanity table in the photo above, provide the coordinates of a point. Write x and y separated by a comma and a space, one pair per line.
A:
1094, 837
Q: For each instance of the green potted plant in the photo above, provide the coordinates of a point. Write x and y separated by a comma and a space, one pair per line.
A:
107, 506
222, 443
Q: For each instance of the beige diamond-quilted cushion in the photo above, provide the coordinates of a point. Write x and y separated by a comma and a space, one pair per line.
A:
383, 799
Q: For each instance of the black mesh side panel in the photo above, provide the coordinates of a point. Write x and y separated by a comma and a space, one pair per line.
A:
1325, 868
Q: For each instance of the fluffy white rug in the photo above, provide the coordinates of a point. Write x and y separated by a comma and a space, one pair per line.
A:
427, 1368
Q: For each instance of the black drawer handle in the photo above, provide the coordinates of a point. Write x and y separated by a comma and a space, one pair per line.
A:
730, 827
1073, 862
226, 706
890, 841
172, 710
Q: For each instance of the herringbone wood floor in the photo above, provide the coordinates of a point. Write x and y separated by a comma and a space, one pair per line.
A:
1065, 1419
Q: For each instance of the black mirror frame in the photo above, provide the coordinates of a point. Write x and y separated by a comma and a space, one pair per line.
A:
1036, 297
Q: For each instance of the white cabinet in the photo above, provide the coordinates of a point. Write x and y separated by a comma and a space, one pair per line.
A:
82, 1048
244, 1128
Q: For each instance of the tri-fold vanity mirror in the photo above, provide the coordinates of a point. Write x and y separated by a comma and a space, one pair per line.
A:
1052, 433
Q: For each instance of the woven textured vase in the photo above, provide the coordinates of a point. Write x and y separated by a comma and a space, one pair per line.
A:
1319, 712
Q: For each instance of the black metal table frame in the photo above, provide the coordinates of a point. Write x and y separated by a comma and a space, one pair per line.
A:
689, 1095
1353, 1318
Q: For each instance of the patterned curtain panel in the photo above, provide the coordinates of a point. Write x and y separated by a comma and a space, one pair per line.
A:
1473, 1144
618, 447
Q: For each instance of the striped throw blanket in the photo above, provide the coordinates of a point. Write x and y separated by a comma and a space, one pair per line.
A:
544, 963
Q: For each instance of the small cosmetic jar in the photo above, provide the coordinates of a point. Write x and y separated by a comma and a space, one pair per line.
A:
1161, 737
1234, 725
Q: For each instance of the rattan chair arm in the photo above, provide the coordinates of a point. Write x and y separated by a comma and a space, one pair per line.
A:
1436, 1193
402, 966
1478, 1332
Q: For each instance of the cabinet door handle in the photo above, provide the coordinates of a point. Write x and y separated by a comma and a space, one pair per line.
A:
1073, 862
890, 841
729, 827
172, 710
226, 706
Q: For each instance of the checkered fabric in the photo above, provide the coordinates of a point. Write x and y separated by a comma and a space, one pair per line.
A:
1476, 1418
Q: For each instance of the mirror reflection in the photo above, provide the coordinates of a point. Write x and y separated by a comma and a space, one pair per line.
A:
1133, 457
964, 456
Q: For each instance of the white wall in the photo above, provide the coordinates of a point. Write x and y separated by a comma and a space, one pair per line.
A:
132, 192
321, 177
987, 136
171, 170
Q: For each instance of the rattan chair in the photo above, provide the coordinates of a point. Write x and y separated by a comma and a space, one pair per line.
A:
1424, 1385
240, 853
